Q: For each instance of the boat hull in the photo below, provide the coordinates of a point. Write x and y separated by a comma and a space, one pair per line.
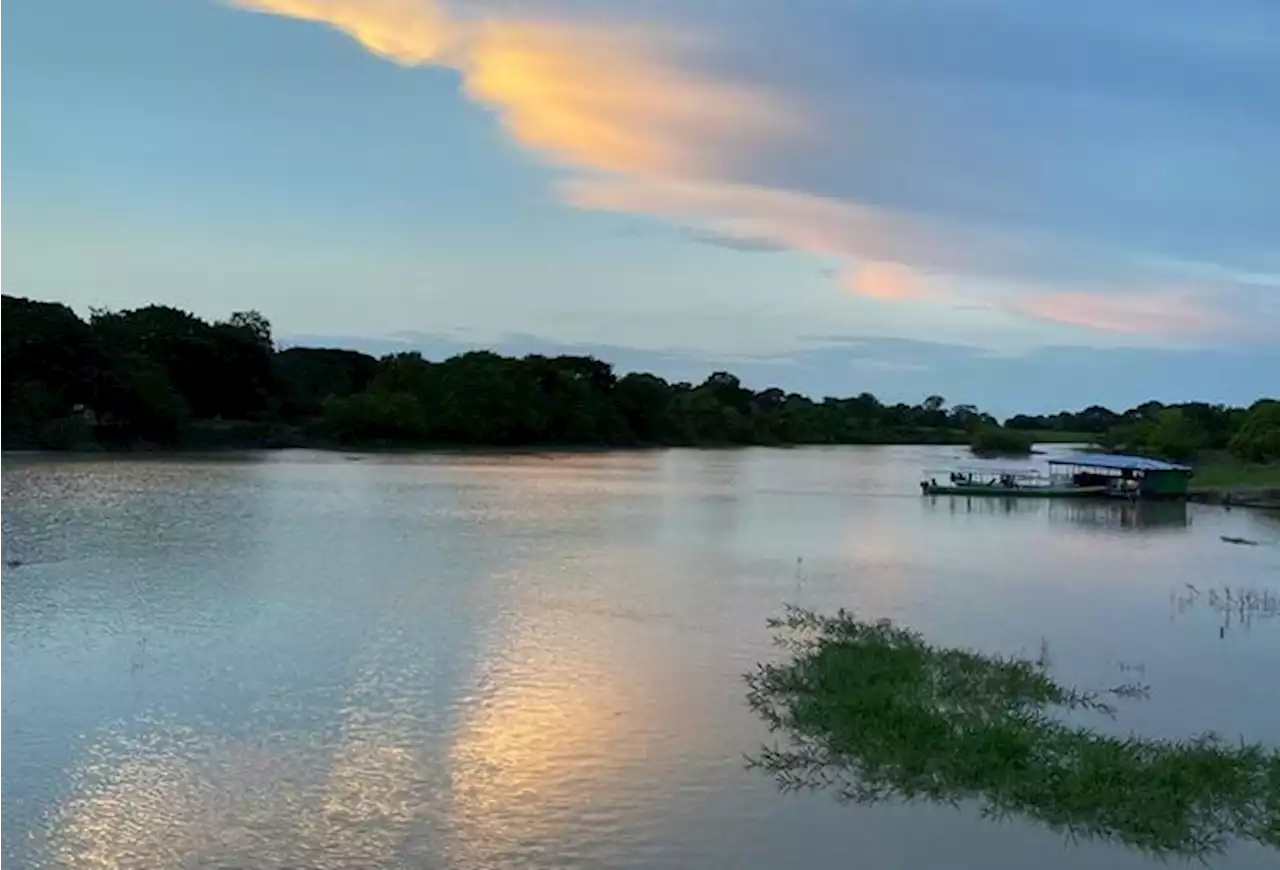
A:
1017, 492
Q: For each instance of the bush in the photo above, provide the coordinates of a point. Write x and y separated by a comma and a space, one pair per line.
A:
376, 415
67, 433
1173, 436
1259, 437
996, 440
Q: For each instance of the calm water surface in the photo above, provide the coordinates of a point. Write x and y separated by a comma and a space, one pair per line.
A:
315, 660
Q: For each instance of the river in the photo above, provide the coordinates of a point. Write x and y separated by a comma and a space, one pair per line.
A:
327, 660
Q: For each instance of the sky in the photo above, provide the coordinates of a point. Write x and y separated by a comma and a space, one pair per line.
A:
1020, 205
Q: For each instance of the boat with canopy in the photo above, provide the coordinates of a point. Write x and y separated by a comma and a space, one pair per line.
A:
1010, 482
1071, 475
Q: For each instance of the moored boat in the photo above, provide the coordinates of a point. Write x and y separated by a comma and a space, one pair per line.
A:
1123, 476
1006, 482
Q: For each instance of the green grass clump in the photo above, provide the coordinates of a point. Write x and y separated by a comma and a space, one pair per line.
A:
998, 441
874, 712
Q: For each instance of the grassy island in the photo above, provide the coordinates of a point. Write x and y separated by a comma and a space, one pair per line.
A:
874, 712
999, 441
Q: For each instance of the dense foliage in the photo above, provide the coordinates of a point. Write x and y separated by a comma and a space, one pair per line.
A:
1177, 432
158, 375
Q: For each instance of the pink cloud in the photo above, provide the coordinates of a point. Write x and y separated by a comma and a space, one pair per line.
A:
612, 97
652, 132
887, 281
1155, 313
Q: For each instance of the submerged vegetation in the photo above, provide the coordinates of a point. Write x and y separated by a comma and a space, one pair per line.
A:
161, 376
874, 712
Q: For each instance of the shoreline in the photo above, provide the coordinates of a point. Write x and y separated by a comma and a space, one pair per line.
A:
1262, 497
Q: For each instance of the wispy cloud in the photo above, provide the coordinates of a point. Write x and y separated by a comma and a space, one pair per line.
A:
925, 170
887, 281
602, 96
746, 244
1166, 313
410, 32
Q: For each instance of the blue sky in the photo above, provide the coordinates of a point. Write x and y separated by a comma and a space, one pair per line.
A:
968, 197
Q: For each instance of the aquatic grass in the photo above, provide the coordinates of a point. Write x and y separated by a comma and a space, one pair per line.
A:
875, 713
1237, 607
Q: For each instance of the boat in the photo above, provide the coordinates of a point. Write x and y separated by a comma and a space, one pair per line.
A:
1006, 483
1124, 476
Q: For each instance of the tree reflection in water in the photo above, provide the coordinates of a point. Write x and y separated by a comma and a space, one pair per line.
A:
874, 713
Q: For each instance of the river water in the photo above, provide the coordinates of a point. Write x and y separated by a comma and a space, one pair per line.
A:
298, 659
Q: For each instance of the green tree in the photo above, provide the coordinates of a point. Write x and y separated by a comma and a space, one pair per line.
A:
1258, 439
49, 359
644, 400
138, 400
1172, 435
376, 416
306, 376
254, 324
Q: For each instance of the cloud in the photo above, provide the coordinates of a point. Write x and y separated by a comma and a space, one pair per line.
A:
968, 159
610, 97
887, 281
746, 244
796, 221
1150, 313
409, 32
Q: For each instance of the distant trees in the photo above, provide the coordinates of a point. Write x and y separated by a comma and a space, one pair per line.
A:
1174, 435
306, 376
219, 370
50, 365
164, 376
128, 375
1176, 432
1092, 420
1258, 438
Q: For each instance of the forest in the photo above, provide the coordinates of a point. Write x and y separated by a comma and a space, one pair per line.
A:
161, 377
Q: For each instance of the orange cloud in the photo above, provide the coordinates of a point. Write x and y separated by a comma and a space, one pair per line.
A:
615, 99
603, 97
658, 137
1162, 313
812, 224
409, 32
873, 242
888, 281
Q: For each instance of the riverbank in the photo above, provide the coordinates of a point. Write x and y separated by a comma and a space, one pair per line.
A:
1266, 497
1223, 479
234, 435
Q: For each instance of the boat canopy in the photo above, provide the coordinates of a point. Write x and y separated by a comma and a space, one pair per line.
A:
1117, 462
990, 470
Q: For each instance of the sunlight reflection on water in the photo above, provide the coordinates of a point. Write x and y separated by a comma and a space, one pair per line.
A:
294, 659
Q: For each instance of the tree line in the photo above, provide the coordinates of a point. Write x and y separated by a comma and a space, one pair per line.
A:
161, 376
